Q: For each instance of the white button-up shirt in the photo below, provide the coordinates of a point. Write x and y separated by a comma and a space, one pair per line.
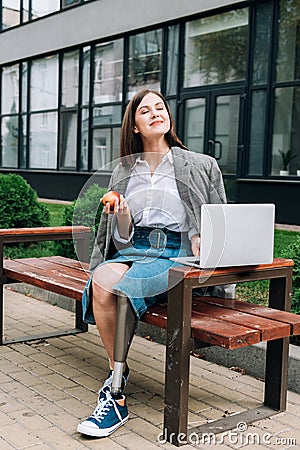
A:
154, 200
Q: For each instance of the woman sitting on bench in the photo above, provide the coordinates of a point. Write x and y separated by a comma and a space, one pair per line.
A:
161, 187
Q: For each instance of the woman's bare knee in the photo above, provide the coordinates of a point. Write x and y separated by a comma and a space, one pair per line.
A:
106, 276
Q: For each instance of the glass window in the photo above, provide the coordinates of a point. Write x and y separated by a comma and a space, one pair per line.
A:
172, 64
70, 72
262, 37
107, 115
83, 164
24, 87
286, 131
257, 133
288, 58
10, 90
43, 140
23, 141
226, 132
144, 61
66, 3
40, 8
68, 140
216, 49
86, 75
106, 148
195, 124
108, 72
25, 17
9, 139
44, 83
10, 13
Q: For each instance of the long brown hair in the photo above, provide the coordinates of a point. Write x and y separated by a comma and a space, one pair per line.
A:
131, 143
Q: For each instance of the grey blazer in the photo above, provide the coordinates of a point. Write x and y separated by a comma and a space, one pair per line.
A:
199, 180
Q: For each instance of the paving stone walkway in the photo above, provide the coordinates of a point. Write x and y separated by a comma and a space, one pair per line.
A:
47, 387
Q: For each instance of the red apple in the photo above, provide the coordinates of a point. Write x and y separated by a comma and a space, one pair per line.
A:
110, 197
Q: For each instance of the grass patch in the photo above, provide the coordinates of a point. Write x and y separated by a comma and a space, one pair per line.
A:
258, 291
56, 213
36, 250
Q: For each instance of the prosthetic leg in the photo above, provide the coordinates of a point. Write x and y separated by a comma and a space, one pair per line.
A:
126, 322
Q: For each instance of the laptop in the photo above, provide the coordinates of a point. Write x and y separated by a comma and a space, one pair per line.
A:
234, 235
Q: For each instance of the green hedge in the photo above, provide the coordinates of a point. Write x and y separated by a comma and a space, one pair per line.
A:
19, 206
86, 211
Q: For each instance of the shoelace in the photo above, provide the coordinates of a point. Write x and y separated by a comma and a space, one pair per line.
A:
102, 409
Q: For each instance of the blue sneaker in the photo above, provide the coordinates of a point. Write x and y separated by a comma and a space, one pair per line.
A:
104, 392
108, 416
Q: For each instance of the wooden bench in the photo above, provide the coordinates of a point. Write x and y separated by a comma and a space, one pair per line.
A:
227, 323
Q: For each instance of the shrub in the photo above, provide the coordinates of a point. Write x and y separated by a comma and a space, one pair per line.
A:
19, 206
86, 211
293, 252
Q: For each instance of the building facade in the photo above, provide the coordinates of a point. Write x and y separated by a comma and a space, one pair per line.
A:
229, 69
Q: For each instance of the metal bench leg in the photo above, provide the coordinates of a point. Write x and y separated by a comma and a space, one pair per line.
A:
125, 329
178, 348
276, 374
79, 323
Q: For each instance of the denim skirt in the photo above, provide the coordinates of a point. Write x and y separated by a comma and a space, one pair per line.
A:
147, 280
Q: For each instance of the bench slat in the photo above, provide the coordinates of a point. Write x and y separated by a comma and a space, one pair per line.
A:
75, 272
207, 328
67, 262
257, 310
51, 280
269, 329
224, 334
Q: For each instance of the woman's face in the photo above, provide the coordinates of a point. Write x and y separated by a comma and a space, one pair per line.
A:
151, 117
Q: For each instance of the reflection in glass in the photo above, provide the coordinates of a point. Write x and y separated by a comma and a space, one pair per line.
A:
10, 13
83, 163
144, 61
108, 75
286, 130
70, 80
194, 124
226, 132
101, 148
216, 49
44, 83
173, 108
10, 90
262, 37
40, 8
23, 141
68, 140
172, 60
9, 139
86, 75
66, 3
107, 115
43, 141
257, 133
106, 148
24, 67
25, 11
288, 58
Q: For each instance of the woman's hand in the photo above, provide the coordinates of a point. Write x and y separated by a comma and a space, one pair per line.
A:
195, 244
122, 212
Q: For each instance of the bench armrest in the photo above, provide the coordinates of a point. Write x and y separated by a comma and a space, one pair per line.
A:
17, 235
